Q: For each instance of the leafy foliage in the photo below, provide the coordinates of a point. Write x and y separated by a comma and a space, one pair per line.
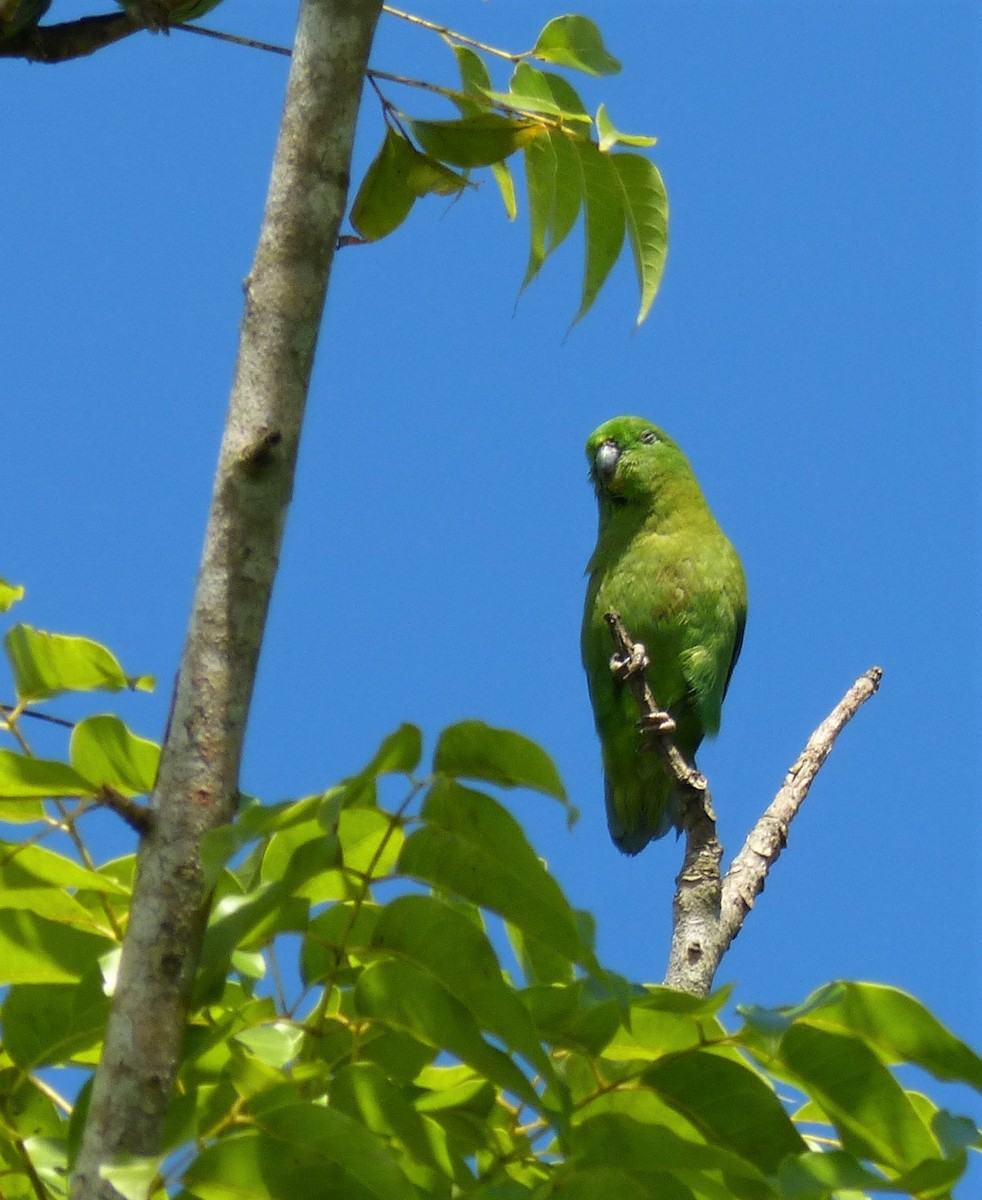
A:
573, 162
399, 1002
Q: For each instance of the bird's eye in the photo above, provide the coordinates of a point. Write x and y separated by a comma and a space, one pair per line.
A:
649, 436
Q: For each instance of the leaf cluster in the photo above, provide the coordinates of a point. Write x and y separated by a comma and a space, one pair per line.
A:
396, 1000
575, 164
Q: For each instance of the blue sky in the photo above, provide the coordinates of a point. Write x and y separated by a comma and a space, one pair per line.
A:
813, 349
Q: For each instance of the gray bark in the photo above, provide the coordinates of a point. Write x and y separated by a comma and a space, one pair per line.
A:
198, 780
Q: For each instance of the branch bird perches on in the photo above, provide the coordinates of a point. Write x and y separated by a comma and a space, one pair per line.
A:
709, 908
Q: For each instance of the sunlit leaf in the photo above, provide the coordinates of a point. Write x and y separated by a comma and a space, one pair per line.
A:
35, 950
899, 1027
604, 221
575, 41
610, 135
105, 751
645, 204
48, 1024
10, 593
25, 778
46, 664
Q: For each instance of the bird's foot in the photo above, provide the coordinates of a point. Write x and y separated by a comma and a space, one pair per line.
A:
624, 666
657, 722
155, 14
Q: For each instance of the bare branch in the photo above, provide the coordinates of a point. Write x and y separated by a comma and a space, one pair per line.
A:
70, 39
745, 878
197, 786
139, 818
708, 912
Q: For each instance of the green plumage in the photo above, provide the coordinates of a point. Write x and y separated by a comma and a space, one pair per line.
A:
665, 565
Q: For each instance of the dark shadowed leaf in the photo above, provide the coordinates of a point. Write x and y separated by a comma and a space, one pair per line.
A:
385, 197
475, 141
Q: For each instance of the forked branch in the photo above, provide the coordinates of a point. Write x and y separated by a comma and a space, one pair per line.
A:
708, 909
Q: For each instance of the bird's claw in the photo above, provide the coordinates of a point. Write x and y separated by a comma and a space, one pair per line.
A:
657, 722
623, 666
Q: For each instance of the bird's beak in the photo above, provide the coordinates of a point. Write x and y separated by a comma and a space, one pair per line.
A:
606, 461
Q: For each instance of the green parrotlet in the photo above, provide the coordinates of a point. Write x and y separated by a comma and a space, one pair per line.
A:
665, 565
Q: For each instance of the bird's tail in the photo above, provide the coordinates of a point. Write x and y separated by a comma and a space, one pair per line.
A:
641, 809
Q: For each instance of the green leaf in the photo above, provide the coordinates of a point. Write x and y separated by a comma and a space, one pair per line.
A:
131, 1175
105, 751
275, 1044
478, 751
429, 177
364, 1092
543, 92
474, 76
568, 191
441, 940
385, 198
873, 1115
10, 593
574, 41
26, 778
610, 135
305, 1150
47, 664
410, 998
899, 1027
617, 1140
604, 221
256, 820
729, 1103
476, 82
475, 141
645, 204
54, 1024
540, 188
35, 950
398, 754
610, 1183
472, 847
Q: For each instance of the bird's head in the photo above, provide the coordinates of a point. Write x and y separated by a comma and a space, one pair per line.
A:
633, 461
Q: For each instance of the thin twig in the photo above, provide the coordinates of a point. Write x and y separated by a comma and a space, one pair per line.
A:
137, 816
37, 716
451, 35
219, 35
